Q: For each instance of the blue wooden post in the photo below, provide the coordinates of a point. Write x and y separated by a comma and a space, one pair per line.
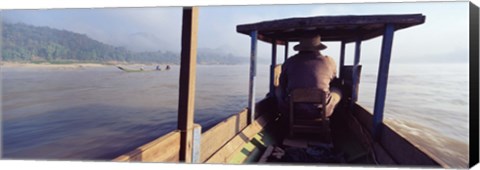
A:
355, 77
286, 51
382, 80
253, 72
342, 58
358, 45
272, 68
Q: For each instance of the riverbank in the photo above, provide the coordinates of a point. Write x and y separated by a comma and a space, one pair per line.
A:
51, 66
69, 66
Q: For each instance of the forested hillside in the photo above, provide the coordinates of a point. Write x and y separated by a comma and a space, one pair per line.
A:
28, 43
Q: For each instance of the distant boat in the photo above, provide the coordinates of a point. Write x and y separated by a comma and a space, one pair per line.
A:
135, 70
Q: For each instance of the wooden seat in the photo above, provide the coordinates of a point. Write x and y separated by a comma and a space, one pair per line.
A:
316, 125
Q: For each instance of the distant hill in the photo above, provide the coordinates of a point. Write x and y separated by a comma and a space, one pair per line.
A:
26, 43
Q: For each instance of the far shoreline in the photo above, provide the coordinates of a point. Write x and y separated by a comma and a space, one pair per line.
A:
73, 65
49, 65
85, 65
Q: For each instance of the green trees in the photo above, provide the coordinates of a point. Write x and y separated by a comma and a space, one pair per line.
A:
28, 43
23, 42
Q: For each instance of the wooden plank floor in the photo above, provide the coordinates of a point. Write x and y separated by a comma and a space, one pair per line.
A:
344, 140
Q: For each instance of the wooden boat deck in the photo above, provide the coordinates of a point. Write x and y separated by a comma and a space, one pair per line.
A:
234, 142
345, 143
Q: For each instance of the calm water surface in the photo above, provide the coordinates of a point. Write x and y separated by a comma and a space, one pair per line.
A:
428, 104
100, 113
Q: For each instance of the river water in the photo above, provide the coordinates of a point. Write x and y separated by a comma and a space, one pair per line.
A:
100, 113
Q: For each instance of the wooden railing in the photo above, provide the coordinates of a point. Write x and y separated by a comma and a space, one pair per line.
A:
163, 149
213, 139
216, 145
235, 144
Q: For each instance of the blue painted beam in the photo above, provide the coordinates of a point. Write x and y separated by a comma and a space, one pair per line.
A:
342, 58
355, 78
286, 51
358, 47
253, 72
272, 68
382, 80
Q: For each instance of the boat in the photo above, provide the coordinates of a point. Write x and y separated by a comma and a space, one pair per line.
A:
256, 133
135, 70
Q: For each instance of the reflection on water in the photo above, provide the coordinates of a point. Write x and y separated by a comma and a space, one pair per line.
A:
99, 113
451, 151
428, 104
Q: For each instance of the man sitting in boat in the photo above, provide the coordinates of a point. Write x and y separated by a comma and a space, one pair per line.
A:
309, 69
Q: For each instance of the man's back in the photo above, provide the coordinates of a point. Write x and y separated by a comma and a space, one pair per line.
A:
308, 70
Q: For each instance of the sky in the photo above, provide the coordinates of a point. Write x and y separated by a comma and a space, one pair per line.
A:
442, 38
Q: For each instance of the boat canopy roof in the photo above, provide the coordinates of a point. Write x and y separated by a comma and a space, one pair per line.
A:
346, 28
